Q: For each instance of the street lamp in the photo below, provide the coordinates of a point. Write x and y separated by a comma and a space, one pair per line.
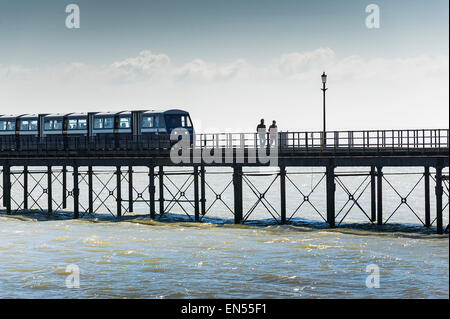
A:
324, 137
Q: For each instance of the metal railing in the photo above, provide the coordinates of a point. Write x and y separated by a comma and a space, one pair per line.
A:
373, 140
360, 140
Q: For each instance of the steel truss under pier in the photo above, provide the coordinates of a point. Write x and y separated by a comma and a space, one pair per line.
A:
195, 192
81, 175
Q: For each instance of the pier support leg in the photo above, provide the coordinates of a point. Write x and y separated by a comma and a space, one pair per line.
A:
119, 191
64, 187
237, 183
7, 188
130, 189
427, 197
151, 189
25, 188
196, 195
91, 190
49, 190
161, 190
331, 193
373, 195
202, 191
439, 192
76, 194
380, 195
283, 194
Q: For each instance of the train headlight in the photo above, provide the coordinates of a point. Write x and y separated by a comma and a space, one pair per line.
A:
186, 132
175, 133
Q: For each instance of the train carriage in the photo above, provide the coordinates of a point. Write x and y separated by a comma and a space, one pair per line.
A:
102, 130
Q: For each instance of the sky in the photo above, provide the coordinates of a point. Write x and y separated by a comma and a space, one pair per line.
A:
230, 63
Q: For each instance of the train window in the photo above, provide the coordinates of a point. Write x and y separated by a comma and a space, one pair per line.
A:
174, 121
108, 122
57, 124
82, 124
98, 123
3, 125
125, 122
11, 126
148, 122
73, 124
48, 125
53, 125
28, 125
24, 125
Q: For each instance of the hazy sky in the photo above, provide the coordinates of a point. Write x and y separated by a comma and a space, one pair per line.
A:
231, 62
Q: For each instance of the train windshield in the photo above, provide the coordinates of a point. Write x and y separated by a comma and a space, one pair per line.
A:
174, 121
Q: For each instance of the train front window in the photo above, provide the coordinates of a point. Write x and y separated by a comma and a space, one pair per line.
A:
174, 121
125, 122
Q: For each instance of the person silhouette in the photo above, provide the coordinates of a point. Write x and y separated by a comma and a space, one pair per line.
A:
261, 130
273, 130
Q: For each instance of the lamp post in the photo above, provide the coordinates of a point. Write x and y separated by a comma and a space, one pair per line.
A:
324, 136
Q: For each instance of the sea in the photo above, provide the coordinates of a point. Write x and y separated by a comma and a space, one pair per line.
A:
46, 255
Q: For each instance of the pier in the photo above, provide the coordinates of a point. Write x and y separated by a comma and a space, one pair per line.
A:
72, 165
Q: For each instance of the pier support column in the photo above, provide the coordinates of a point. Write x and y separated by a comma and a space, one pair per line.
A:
379, 195
76, 194
202, 191
331, 194
283, 194
196, 195
439, 192
7, 188
130, 189
90, 190
64, 187
373, 194
161, 190
49, 190
151, 190
119, 191
237, 183
427, 197
25, 188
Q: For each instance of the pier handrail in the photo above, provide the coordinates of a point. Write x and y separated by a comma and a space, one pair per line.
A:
404, 140
362, 139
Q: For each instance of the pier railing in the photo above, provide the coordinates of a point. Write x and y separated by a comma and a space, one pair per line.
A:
304, 141
435, 140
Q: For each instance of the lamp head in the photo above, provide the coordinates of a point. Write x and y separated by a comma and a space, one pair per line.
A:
324, 78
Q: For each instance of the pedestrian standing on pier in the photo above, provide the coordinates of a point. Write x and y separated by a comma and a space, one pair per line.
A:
273, 130
261, 130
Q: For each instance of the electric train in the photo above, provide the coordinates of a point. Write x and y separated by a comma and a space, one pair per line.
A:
106, 129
